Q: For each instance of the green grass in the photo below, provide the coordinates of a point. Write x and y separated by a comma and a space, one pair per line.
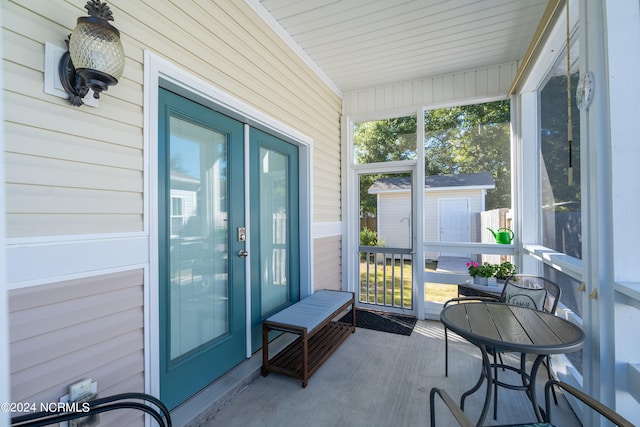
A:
383, 290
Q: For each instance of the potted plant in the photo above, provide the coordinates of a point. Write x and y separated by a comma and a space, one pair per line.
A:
504, 270
481, 272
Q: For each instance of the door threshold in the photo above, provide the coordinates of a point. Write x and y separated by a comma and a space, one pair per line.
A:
204, 404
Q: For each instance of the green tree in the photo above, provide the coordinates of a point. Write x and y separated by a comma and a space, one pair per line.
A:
382, 141
385, 140
463, 139
470, 139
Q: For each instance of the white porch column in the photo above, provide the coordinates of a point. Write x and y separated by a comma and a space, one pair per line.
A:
597, 246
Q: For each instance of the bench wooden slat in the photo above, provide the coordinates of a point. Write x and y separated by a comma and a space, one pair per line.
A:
321, 346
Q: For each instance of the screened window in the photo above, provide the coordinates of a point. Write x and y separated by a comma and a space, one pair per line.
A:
385, 140
468, 172
560, 197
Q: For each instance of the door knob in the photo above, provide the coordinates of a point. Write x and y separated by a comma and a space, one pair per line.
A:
242, 253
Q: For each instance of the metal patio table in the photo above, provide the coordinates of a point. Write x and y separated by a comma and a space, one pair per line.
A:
490, 325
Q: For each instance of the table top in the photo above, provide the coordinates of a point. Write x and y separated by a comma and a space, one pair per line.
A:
513, 328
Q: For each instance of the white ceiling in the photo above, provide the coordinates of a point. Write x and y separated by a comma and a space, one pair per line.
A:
361, 44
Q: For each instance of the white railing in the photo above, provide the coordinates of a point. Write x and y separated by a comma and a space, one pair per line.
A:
385, 277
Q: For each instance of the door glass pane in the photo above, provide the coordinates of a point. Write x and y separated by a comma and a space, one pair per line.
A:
274, 202
198, 255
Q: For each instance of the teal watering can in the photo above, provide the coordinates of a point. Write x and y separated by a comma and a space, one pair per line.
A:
503, 235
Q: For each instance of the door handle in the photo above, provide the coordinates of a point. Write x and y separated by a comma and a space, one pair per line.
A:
242, 253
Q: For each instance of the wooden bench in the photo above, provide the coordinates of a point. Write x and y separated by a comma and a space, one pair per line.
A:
313, 319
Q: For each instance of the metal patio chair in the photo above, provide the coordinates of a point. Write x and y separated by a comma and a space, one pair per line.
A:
590, 402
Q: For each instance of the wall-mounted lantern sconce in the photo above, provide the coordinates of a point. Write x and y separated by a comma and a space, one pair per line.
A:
95, 59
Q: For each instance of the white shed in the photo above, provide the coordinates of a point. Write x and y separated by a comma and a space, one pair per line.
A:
452, 206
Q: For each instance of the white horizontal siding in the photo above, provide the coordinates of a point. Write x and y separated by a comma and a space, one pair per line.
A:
42, 171
327, 261
34, 141
52, 200
35, 226
394, 220
431, 92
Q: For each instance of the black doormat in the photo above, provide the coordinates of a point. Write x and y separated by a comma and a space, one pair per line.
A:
384, 322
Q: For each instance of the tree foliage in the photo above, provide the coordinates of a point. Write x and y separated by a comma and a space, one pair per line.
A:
470, 139
382, 141
462, 139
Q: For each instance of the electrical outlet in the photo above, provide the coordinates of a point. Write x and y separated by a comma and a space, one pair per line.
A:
79, 389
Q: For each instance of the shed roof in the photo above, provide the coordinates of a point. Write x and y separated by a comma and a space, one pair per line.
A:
481, 180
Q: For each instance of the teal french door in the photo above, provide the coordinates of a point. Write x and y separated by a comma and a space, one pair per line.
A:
202, 293
275, 247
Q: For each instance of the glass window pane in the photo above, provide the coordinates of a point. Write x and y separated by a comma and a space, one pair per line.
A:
274, 205
198, 254
561, 201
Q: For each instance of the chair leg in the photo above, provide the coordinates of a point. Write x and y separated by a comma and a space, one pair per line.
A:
495, 384
553, 389
446, 353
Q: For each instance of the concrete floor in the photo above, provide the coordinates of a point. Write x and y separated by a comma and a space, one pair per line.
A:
379, 379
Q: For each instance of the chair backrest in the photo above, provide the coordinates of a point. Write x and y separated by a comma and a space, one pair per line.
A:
531, 291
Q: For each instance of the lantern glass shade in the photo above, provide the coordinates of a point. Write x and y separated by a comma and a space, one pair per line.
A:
94, 46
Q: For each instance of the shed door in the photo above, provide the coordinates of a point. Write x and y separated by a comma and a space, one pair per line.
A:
454, 220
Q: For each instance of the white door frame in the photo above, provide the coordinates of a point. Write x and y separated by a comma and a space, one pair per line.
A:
350, 201
160, 72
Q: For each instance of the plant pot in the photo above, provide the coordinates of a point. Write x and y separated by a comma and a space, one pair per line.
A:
482, 281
